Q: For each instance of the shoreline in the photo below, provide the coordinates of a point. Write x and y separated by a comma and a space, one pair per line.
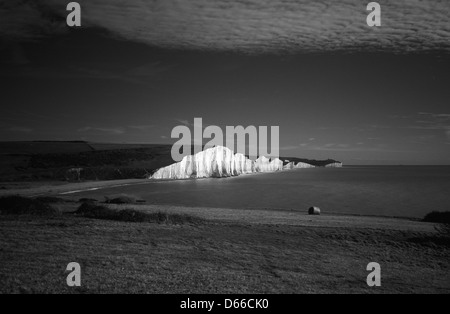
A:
40, 188
69, 191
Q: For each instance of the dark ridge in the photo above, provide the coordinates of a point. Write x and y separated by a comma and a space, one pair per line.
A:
317, 163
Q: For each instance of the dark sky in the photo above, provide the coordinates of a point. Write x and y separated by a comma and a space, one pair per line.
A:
336, 87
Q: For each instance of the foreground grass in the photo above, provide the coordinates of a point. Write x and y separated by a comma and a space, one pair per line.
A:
93, 210
214, 257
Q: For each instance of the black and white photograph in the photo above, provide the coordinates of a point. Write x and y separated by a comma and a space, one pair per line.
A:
224, 153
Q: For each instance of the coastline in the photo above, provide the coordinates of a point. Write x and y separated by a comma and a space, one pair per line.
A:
137, 187
54, 188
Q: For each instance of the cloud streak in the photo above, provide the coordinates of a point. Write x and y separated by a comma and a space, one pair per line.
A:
142, 127
116, 131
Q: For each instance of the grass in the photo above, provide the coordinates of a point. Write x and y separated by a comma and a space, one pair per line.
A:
121, 199
18, 205
50, 199
216, 251
87, 200
217, 257
91, 210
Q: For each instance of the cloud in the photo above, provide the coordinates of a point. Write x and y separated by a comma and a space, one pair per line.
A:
142, 127
20, 129
428, 121
143, 73
124, 73
252, 26
334, 147
184, 122
189, 124
432, 121
116, 131
436, 115
27, 20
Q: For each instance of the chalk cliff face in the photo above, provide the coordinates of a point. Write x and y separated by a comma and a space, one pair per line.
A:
220, 162
213, 162
293, 165
303, 165
243, 165
263, 164
289, 166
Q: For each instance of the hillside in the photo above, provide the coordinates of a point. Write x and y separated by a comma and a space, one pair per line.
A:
75, 161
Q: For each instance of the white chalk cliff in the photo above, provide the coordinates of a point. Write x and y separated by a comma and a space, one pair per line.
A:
289, 165
220, 162
303, 165
214, 162
263, 164
293, 165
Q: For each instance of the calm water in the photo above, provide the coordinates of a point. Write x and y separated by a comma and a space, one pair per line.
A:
410, 191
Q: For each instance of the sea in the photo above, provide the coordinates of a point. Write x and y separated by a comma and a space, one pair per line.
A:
395, 191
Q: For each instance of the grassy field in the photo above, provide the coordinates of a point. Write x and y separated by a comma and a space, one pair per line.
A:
223, 251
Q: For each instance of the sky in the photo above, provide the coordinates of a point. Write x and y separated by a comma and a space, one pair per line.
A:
134, 70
